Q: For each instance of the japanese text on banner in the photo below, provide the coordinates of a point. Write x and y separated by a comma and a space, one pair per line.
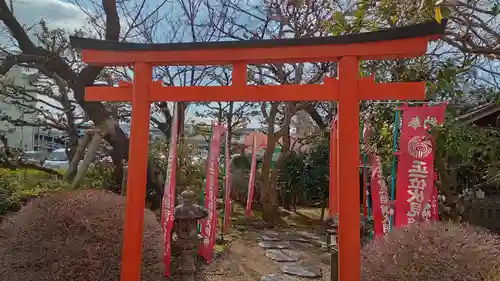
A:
415, 178
251, 181
168, 201
209, 225
380, 197
227, 184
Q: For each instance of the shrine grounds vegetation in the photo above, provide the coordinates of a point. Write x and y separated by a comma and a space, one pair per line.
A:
433, 252
18, 186
73, 236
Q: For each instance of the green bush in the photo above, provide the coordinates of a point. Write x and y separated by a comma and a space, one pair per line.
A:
241, 162
317, 174
19, 186
190, 168
436, 251
292, 178
99, 175
305, 175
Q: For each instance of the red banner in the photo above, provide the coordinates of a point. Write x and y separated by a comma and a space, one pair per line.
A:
251, 180
209, 225
168, 202
415, 179
332, 199
431, 212
380, 196
227, 185
434, 204
434, 200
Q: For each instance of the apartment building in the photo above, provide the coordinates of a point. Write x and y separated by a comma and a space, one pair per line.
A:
21, 137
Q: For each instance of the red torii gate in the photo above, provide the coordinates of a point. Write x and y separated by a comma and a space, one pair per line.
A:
348, 90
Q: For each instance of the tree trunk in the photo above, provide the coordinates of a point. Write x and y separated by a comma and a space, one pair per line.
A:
77, 81
323, 207
269, 196
295, 200
453, 206
118, 172
72, 146
285, 149
287, 197
78, 155
89, 156
181, 113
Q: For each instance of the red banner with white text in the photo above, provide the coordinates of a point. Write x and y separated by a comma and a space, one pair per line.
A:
168, 202
380, 198
209, 225
415, 178
378, 187
227, 185
251, 180
431, 212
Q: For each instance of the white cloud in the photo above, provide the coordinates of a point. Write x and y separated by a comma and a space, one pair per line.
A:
57, 13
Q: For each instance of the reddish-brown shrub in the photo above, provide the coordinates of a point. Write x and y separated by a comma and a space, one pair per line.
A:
73, 236
437, 251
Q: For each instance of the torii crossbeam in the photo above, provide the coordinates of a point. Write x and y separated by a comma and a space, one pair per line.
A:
348, 89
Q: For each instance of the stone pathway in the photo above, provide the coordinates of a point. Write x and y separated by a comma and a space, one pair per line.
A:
287, 255
285, 248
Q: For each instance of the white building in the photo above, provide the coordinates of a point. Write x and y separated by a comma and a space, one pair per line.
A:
48, 139
21, 137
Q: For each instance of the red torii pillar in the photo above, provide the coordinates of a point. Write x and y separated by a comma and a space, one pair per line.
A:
348, 90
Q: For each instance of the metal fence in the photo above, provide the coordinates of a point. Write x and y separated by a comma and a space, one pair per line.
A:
485, 213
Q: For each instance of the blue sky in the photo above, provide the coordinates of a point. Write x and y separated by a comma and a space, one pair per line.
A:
67, 15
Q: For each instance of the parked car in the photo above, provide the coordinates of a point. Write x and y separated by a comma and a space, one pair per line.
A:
57, 160
34, 156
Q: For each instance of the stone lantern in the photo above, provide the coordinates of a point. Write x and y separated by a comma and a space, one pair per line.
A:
366, 227
186, 238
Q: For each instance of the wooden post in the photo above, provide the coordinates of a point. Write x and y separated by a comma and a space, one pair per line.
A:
98, 133
137, 174
89, 156
80, 151
348, 155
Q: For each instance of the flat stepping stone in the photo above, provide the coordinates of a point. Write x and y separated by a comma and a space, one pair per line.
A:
301, 270
241, 228
283, 255
278, 277
309, 235
297, 238
274, 245
312, 239
271, 233
273, 238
